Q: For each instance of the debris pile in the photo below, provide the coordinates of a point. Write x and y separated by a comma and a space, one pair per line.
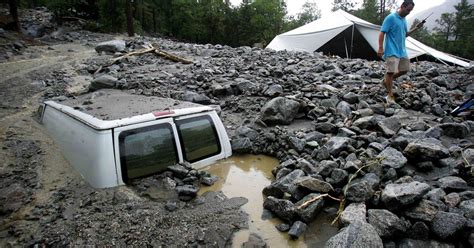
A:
402, 173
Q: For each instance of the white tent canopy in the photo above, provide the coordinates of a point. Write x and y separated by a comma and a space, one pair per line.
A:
343, 30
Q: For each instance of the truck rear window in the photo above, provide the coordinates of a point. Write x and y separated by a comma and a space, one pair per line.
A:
198, 138
145, 151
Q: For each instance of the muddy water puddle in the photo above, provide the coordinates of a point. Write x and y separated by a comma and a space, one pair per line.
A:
246, 176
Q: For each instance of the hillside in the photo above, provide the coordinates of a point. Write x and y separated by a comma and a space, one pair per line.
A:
446, 7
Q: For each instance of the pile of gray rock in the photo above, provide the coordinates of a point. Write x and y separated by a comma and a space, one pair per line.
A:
405, 171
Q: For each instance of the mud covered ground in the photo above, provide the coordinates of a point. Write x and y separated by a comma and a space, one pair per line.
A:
44, 201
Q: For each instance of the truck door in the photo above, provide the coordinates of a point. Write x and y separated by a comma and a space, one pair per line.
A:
146, 148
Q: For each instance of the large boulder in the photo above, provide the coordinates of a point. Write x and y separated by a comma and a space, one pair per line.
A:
468, 208
356, 235
190, 96
400, 195
273, 90
359, 191
453, 183
446, 225
286, 184
187, 192
254, 241
307, 212
337, 144
392, 158
355, 212
389, 126
366, 122
103, 82
314, 185
279, 110
415, 243
428, 149
425, 210
284, 209
241, 145
455, 130
112, 46
297, 229
386, 223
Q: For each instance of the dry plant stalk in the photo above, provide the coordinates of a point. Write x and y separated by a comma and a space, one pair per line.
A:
468, 164
343, 201
306, 203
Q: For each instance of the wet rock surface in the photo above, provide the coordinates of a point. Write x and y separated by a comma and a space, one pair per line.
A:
323, 118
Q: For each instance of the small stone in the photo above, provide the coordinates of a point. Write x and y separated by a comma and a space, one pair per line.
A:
283, 227
297, 229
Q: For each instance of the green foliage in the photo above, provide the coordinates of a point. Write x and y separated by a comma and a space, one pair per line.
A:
310, 12
446, 26
77, 8
346, 5
369, 11
422, 34
374, 11
454, 32
267, 20
112, 15
253, 21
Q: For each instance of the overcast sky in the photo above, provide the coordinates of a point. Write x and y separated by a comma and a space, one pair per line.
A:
294, 6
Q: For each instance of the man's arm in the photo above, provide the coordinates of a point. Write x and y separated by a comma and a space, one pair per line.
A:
418, 26
381, 39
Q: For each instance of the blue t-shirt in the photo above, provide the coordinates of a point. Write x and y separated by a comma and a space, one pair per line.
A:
395, 29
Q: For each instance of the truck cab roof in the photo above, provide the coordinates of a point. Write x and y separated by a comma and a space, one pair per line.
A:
109, 108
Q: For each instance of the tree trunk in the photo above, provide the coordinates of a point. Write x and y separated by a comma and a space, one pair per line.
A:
143, 16
14, 12
128, 9
382, 10
154, 20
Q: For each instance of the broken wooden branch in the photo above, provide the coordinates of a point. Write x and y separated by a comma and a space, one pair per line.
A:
306, 203
147, 50
157, 51
73, 18
172, 57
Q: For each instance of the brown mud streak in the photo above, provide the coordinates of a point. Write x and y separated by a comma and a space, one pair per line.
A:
15, 76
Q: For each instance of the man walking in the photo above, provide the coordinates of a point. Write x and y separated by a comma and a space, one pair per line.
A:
394, 32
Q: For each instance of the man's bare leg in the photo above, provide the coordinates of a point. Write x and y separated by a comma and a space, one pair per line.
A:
389, 83
399, 74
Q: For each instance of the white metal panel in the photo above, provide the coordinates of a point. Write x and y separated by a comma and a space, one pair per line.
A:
119, 130
88, 150
99, 124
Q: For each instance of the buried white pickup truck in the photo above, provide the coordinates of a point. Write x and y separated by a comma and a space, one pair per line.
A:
110, 136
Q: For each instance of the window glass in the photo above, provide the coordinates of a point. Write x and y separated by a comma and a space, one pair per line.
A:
198, 138
145, 151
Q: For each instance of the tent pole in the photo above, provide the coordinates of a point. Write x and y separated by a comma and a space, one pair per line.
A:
352, 39
345, 45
